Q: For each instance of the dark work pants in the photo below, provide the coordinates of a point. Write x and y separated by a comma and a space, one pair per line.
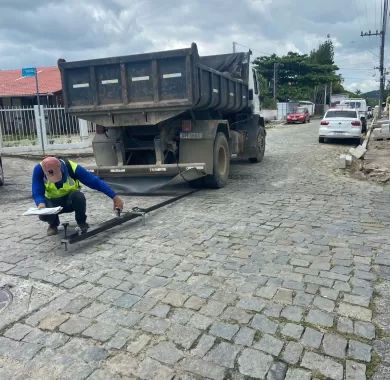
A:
74, 202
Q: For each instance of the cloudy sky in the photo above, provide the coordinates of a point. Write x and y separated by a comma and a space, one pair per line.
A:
37, 33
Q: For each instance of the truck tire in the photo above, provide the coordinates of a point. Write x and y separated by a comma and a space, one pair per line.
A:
221, 165
260, 147
1, 173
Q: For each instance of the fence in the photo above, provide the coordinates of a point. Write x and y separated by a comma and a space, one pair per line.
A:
48, 127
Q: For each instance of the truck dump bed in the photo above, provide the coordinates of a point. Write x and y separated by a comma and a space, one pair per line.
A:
164, 84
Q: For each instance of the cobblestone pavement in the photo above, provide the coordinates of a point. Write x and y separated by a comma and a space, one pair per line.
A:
283, 274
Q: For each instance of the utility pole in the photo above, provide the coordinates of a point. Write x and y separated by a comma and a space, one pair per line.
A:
382, 34
234, 46
276, 64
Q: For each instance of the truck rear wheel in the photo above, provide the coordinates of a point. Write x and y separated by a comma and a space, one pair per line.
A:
221, 165
260, 147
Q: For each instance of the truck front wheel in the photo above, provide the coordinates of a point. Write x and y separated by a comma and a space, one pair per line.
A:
260, 147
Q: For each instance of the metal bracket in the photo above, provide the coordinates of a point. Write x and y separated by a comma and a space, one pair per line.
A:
159, 152
140, 212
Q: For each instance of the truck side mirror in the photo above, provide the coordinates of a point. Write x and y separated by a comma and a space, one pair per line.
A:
250, 95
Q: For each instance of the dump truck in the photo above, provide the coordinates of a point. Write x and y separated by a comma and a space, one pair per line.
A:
167, 114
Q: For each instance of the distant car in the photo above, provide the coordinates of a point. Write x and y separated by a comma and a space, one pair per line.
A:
1, 172
340, 124
301, 115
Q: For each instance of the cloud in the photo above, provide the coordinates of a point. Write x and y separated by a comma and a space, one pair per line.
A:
39, 32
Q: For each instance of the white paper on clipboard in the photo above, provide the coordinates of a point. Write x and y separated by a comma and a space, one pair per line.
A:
43, 211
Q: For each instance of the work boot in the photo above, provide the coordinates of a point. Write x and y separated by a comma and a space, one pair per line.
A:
52, 230
83, 227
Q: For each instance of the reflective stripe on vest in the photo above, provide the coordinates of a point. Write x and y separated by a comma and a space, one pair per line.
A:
71, 185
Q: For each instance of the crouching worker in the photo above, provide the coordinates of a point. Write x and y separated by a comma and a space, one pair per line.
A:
56, 182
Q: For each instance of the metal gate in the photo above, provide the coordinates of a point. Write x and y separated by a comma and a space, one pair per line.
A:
46, 127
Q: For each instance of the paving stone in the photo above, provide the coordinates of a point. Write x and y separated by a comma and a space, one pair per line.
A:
355, 312
95, 309
223, 354
324, 304
320, 318
292, 330
303, 299
160, 310
213, 308
299, 262
126, 301
203, 368
334, 345
355, 371
175, 299
138, 344
269, 344
224, 330
151, 369
298, 374
120, 338
154, 325
204, 344
200, 321
284, 296
194, 302
359, 351
345, 325
110, 295
357, 300
325, 366
273, 310
253, 304
94, 354
75, 325
100, 331
165, 352
180, 315
183, 335
329, 293
102, 374
292, 313
312, 338
364, 329
266, 292
76, 305
18, 331
236, 314
265, 325
245, 336
254, 363
277, 371
312, 288
292, 353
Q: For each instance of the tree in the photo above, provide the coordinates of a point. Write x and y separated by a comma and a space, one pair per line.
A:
298, 76
358, 92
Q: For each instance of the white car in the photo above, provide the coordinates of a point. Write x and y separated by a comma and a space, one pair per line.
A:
340, 124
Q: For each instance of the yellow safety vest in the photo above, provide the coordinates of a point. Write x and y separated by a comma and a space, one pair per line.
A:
71, 185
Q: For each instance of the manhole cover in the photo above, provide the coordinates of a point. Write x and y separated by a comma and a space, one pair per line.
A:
5, 298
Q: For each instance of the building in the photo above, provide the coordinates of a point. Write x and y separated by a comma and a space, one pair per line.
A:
18, 91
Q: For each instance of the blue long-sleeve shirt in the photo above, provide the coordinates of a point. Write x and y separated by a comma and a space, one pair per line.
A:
81, 174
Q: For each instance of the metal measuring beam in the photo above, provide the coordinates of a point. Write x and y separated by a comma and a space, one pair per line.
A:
122, 218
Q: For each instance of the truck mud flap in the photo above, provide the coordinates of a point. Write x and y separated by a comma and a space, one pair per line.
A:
148, 185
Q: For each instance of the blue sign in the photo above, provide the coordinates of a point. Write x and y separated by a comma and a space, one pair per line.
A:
29, 72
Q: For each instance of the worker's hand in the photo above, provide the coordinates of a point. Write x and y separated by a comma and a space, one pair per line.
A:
41, 205
118, 203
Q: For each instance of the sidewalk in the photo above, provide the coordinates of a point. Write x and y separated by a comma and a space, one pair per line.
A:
376, 162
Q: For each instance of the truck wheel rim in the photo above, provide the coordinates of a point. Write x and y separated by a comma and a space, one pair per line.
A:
260, 143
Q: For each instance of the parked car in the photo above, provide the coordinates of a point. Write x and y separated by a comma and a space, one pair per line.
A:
1, 172
300, 115
340, 124
360, 105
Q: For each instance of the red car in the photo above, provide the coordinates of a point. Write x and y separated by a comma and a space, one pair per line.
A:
301, 115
